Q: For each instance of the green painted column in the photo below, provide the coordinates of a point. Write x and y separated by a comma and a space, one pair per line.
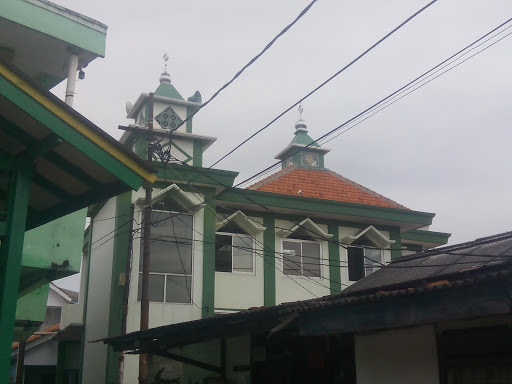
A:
334, 259
61, 361
208, 304
269, 262
188, 124
197, 154
10, 260
396, 248
121, 242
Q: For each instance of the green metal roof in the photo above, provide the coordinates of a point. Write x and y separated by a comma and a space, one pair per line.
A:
168, 90
302, 138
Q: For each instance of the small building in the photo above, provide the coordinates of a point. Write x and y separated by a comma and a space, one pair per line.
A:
41, 349
441, 316
301, 233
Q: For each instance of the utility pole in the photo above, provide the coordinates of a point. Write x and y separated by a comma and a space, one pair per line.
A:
144, 302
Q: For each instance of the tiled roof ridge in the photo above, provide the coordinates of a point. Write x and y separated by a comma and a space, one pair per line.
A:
455, 247
272, 177
365, 189
276, 176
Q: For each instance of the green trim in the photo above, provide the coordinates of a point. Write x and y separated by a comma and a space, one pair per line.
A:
188, 157
187, 173
120, 255
61, 361
413, 247
197, 154
334, 259
231, 309
208, 302
11, 249
249, 196
188, 124
85, 300
62, 27
396, 248
426, 236
68, 133
269, 262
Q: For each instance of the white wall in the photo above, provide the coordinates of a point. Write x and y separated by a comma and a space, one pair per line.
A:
180, 110
401, 356
163, 313
98, 297
236, 290
293, 288
44, 353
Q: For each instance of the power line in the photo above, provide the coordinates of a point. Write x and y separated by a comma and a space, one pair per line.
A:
301, 14
326, 81
383, 100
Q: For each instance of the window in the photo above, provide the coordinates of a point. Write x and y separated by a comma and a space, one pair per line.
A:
301, 258
288, 162
309, 158
234, 253
362, 262
170, 270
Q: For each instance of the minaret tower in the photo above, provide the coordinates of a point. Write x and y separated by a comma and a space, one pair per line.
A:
172, 125
303, 150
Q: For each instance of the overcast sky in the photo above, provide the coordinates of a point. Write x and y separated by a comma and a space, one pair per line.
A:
443, 149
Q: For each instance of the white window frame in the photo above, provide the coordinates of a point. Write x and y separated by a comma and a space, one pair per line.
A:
165, 274
253, 272
301, 255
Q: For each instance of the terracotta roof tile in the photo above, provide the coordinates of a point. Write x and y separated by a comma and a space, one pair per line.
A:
49, 330
321, 184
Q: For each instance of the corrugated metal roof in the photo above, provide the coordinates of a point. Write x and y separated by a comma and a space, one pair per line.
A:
443, 263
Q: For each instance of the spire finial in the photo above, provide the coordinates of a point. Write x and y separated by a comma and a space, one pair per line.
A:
301, 124
166, 58
165, 77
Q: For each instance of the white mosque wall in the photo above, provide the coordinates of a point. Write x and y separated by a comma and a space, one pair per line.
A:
98, 296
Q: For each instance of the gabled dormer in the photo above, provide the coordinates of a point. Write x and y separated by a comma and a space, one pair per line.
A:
302, 150
172, 125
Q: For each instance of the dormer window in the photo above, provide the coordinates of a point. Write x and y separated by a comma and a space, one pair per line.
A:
365, 254
363, 260
309, 158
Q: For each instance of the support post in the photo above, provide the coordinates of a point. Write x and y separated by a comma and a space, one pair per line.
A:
269, 258
20, 362
334, 259
10, 260
144, 302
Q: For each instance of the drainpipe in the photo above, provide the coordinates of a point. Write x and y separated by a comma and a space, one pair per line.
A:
70, 87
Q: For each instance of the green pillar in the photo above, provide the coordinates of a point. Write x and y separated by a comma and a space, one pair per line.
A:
209, 257
269, 262
10, 260
396, 248
334, 259
61, 361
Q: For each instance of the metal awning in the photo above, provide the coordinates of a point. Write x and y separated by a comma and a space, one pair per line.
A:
75, 163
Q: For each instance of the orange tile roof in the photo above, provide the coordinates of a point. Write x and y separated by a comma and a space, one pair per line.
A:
321, 184
49, 330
